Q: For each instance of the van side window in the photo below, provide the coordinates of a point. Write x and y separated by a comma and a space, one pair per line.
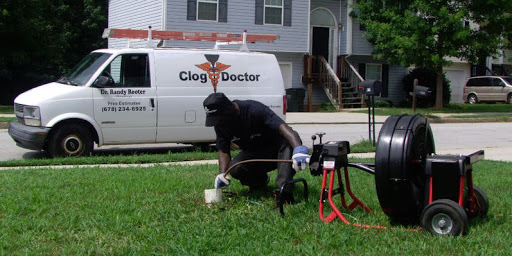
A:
129, 70
497, 82
479, 82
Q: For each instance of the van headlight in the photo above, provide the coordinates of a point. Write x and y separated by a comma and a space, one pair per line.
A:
31, 116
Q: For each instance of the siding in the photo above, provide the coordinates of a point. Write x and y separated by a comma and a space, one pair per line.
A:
297, 60
507, 57
395, 76
332, 5
135, 15
360, 46
241, 16
343, 31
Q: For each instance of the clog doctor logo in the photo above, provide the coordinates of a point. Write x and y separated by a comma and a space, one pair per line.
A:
213, 68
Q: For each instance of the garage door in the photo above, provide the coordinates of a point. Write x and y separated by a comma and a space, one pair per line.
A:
286, 71
457, 79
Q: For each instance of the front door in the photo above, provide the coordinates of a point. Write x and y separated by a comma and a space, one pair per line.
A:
126, 108
321, 42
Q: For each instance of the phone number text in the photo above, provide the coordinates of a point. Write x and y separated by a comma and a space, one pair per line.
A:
123, 109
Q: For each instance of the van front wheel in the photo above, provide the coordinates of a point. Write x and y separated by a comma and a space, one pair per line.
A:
509, 99
70, 140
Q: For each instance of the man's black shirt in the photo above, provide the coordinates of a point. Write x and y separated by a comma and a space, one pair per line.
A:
256, 128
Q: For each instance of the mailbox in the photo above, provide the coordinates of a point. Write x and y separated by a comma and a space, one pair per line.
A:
422, 91
370, 87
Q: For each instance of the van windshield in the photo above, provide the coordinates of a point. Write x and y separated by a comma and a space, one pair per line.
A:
508, 79
83, 71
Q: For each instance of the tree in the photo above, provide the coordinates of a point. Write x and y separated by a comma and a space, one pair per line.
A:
43, 39
425, 33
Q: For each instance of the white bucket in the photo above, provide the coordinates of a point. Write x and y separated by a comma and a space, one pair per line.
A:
212, 196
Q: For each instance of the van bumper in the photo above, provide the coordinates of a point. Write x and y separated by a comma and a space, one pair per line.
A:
27, 136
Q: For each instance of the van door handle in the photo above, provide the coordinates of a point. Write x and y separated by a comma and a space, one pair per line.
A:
152, 102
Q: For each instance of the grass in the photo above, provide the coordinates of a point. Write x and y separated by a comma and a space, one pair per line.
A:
142, 158
114, 159
503, 117
453, 108
6, 109
160, 210
7, 119
475, 108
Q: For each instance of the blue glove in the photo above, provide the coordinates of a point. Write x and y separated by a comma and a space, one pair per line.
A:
221, 181
300, 157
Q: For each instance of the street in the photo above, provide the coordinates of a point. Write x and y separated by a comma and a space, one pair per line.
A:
452, 138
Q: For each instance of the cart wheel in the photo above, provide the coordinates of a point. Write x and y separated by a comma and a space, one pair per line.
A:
481, 204
444, 217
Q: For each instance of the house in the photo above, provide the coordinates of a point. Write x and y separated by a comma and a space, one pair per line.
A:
305, 28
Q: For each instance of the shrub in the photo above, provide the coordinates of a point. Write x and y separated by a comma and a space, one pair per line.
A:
427, 78
383, 104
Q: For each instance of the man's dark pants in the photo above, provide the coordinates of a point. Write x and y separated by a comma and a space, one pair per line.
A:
254, 174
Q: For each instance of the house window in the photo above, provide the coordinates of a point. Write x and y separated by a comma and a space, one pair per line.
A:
211, 10
207, 10
374, 71
362, 27
274, 12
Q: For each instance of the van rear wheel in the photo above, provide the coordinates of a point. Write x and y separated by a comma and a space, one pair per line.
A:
472, 99
70, 140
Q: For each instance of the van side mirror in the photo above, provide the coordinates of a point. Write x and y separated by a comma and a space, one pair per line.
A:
103, 81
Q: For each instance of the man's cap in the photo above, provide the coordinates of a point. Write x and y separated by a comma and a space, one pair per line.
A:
217, 107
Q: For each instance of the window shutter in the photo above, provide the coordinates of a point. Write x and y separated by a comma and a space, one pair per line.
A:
287, 19
362, 70
223, 10
259, 12
191, 9
385, 80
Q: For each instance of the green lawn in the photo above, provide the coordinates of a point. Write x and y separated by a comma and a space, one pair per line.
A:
475, 108
117, 158
7, 119
160, 210
6, 109
454, 108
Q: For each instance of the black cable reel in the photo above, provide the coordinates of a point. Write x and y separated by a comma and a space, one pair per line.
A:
403, 145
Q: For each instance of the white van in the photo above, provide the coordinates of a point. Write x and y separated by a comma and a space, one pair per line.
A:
150, 95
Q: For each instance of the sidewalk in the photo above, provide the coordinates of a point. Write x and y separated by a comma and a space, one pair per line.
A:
346, 117
330, 118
